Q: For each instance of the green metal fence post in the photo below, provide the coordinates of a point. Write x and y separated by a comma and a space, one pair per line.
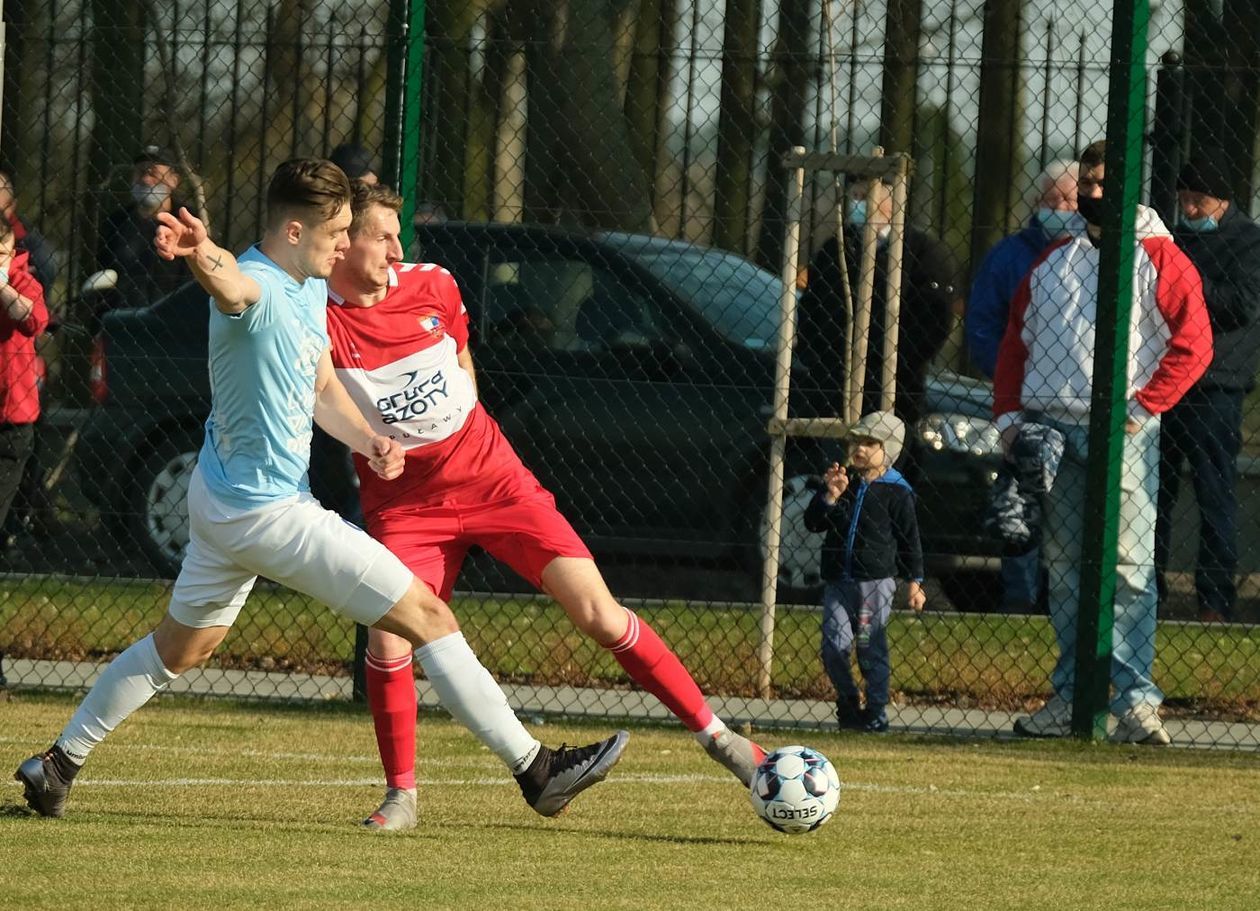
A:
1126, 112
401, 166
402, 106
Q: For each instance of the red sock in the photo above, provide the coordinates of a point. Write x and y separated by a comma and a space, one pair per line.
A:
652, 665
391, 689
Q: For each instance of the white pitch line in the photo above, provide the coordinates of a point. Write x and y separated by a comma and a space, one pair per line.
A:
633, 779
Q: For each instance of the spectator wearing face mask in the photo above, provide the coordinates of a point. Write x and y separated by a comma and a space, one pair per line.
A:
1204, 430
1045, 376
1054, 218
126, 236
929, 292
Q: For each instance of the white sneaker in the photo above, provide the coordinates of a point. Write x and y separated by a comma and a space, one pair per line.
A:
1054, 719
397, 813
1140, 724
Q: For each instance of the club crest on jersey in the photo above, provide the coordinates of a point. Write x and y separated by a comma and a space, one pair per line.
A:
430, 324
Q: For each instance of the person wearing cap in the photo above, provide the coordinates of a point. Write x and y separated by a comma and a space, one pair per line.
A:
1204, 429
126, 236
872, 537
1044, 376
355, 161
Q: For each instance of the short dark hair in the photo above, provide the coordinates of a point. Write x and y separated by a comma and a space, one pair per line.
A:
352, 158
367, 195
306, 187
6, 230
1094, 155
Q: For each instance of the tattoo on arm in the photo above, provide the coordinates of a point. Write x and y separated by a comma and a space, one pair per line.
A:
216, 263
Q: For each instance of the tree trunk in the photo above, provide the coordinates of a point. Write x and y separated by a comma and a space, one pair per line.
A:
996, 127
580, 164
787, 128
1242, 89
647, 91
11, 145
901, 71
737, 125
1206, 48
117, 83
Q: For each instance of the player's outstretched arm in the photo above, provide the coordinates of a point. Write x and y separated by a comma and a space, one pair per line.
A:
340, 418
214, 268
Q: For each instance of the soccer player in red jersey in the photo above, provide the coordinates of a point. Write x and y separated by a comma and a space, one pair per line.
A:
399, 337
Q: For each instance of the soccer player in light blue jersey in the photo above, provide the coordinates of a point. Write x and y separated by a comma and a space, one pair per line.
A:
251, 512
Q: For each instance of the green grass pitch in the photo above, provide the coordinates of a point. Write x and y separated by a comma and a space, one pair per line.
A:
212, 804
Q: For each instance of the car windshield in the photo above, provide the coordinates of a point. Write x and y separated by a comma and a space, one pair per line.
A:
738, 299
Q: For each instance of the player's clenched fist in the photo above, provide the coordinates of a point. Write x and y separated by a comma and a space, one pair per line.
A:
178, 236
386, 457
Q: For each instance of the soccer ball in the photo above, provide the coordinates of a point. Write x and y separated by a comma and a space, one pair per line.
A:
795, 789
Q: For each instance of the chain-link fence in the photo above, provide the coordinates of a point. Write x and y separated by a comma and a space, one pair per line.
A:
606, 182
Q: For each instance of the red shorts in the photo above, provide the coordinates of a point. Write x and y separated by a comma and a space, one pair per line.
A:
526, 532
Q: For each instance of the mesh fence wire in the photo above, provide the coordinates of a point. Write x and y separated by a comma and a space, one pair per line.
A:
605, 182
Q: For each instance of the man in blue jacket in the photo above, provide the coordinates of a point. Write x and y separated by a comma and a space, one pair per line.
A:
1000, 273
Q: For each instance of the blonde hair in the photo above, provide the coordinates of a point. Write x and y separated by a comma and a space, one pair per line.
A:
367, 195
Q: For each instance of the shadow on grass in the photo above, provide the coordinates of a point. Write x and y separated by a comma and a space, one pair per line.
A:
629, 836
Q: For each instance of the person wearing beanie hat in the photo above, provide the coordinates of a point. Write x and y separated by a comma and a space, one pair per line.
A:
1206, 174
1204, 429
867, 513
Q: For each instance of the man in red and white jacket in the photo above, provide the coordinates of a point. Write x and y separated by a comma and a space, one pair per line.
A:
1045, 375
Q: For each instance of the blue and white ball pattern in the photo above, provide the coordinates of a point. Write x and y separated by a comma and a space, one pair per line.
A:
795, 789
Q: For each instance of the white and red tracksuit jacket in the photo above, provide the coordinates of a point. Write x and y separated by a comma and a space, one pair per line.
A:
1046, 358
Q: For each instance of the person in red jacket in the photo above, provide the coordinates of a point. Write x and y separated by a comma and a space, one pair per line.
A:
23, 317
1045, 375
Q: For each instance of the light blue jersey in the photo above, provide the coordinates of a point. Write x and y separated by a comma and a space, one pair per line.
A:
262, 382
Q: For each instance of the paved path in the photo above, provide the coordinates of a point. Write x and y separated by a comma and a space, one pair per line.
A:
574, 702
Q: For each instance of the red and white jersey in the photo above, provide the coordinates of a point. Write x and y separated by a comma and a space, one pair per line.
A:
399, 362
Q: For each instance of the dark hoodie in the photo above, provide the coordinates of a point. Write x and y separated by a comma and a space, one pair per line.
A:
1228, 259
872, 530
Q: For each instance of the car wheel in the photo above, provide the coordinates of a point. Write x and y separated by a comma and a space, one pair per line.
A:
799, 549
158, 516
973, 590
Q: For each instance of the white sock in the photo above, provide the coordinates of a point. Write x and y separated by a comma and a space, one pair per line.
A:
128, 683
471, 695
715, 726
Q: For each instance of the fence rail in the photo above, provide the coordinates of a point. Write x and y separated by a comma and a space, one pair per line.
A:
604, 182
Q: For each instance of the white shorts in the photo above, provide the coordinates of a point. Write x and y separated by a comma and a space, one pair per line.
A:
295, 542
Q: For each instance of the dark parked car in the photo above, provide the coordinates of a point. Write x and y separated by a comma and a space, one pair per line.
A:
633, 374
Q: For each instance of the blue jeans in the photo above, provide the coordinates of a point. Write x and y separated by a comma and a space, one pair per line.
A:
857, 613
1133, 632
1205, 429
